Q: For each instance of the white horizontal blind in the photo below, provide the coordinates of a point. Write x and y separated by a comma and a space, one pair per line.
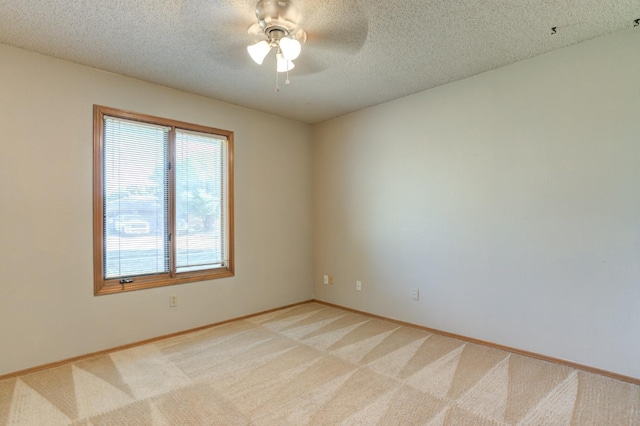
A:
200, 193
136, 191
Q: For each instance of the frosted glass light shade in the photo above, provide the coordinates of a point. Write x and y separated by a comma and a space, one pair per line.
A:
283, 65
259, 51
290, 48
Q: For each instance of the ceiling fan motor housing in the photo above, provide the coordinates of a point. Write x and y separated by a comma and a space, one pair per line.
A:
278, 18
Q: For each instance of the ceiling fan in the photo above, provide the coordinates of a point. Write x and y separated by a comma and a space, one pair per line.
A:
279, 28
334, 27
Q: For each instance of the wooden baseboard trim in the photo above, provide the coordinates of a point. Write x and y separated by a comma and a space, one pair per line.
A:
139, 343
633, 380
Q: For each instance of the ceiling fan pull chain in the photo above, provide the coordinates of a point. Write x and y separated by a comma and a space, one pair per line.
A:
277, 88
287, 80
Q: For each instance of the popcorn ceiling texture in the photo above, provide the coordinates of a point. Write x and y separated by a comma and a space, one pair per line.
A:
358, 54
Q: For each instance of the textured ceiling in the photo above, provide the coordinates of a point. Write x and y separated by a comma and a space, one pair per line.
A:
358, 53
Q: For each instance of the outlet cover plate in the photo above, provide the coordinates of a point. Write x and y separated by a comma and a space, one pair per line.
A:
415, 294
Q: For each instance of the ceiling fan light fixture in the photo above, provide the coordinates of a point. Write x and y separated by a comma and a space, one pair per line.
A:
259, 51
283, 64
290, 48
278, 23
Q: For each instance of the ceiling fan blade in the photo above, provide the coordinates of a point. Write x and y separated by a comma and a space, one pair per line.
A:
255, 30
336, 25
225, 38
309, 65
346, 41
232, 54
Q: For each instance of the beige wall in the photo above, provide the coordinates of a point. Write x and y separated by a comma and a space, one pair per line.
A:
508, 199
47, 308
511, 200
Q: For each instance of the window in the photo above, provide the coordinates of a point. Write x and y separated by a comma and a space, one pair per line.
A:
163, 202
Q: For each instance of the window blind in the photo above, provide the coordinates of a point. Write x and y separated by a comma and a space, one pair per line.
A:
200, 210
136, 198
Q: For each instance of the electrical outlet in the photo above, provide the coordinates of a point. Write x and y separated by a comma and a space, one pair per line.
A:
326, 279
173, 301
415, 294
359, 285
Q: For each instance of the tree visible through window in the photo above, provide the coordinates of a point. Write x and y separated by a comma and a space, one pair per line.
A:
163, 201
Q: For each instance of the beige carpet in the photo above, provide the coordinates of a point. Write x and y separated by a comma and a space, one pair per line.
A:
314, 364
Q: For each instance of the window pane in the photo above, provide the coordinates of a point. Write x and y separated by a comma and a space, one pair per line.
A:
200, 221
135, 199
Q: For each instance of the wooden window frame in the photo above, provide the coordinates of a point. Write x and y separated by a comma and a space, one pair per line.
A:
110, 286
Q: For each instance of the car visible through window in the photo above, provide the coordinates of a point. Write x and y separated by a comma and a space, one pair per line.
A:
129, 224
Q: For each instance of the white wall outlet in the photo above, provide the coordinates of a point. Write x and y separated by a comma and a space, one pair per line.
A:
415, 294
173, 301
359, 285
326, 279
